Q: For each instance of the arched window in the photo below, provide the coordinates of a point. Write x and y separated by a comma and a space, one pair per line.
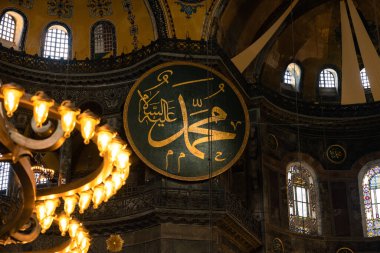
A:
328, 78
103, 39
13, 26
302, 199
364, 78
292, 76
8, 27
57, 42
370, 189
4, 177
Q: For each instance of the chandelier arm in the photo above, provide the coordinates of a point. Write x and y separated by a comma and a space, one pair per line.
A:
53, 142
83, 184
32, 235
24, 173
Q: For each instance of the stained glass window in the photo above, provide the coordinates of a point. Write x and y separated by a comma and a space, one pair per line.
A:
56, 43
364, 78
302, 200
292, 75
4, 177
7, 28
371, 198
328, 78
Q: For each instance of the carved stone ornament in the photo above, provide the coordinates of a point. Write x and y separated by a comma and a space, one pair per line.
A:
100, 8
277, 246
336, 154
24, 3
60, 8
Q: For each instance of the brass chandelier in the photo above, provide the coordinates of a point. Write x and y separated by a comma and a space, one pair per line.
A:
38, 211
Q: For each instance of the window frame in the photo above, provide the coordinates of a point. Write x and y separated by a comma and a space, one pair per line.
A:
310, 184
362, 174
21, 32
69, 34
297, 78
92, 37
2, 180
368, 88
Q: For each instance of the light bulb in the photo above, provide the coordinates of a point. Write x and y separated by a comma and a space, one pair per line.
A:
98, 195
109, 189
122, 159
73, 228
68, 117
12, 94
70, 202
117, 180
114, 148
104, 137
84, 245
46, 223
88, 122
63, 222
125, 174
41, 106
41, 211
51, 205
84, 200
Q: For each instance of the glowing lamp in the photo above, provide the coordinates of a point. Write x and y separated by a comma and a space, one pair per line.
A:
88, 122
109, 189
73, 228
104, 137
46, 223
80, 235
84, 245
63, 222
12, 94
51, 205
98, 195
68, 117
125, 174
116, 145
122, 159
117, 180
84, 200
41, 105
41, 211
70, 202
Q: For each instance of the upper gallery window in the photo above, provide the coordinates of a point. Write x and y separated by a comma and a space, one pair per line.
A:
302, 199
8, 27
4, 177
103, 39
371, 200
292, 76
12, 29
364, 78
56, 45
328, 78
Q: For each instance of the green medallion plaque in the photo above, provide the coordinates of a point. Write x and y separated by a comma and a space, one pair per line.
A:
186, 121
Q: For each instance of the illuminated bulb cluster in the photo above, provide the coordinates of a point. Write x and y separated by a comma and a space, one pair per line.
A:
101, 189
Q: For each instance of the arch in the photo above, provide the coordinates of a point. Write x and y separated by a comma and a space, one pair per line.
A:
57, 41
369, 189
103, 39
292, 76
364, 79
302, 191
20, 29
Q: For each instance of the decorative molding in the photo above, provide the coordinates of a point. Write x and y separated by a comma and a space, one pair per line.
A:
162, 26
189, 7
168, 17
99, 8
133, 29
60, 8
277, 246
24, 3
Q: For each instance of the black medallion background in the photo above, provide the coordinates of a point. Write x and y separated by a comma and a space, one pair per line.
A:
186, 121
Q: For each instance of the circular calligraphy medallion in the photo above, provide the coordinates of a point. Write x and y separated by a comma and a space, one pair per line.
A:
336, 154
186, 121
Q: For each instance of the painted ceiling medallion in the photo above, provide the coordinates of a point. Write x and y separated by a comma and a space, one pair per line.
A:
60, 8
24, 3
336, 154
100, 8
189, 7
